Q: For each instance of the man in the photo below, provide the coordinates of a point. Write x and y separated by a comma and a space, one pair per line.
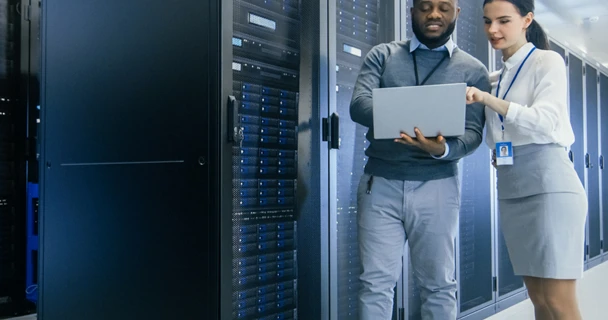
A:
410, 190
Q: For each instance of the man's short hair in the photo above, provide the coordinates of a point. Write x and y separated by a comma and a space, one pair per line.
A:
416, 1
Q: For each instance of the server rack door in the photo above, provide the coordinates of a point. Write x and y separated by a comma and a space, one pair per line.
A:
413, 292
313, 169
591, 162
577, 155
127, 225
266, 50
29, 104
603, 155
475, 267
555, 47
354, 27
12, 172
508, 284
577, 151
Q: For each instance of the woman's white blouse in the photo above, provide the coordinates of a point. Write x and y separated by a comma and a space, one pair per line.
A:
538, 110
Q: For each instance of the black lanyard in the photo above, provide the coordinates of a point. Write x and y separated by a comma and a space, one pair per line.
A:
432, 71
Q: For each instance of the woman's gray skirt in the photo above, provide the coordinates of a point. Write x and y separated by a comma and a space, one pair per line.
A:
543, 209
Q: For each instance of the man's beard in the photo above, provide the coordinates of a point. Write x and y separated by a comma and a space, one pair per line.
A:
435, 41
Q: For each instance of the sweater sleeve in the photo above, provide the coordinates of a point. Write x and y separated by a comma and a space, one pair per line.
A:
369, 78
466, 144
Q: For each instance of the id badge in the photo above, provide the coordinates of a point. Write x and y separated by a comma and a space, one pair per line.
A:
504, 154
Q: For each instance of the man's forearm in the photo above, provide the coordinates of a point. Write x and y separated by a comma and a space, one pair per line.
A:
369, 78
466, 144
361, 111
463, 146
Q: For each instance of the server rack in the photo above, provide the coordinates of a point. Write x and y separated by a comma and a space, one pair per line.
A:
411, 297
510, 288
8, 219
577, 154
603, 150
272, 156
577, 112
585, 91
475, 272
592, 81
12, 177
354, 28
266, 57
30, 102
280, 71
129, 186
585, 103
32, 243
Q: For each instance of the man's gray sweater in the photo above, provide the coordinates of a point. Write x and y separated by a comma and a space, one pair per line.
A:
391, 65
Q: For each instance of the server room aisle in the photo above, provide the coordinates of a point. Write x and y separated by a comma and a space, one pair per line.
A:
591, 293
28, 317
591, 290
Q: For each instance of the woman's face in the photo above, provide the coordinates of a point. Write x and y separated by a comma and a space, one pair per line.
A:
504, 25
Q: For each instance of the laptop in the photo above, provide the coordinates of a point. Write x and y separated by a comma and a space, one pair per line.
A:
434, 109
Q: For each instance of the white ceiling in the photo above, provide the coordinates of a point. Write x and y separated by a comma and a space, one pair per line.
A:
581, 25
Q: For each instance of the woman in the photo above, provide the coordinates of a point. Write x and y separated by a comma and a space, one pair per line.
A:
542, 201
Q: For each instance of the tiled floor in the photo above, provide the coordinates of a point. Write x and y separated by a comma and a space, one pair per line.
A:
30, 317
591, 294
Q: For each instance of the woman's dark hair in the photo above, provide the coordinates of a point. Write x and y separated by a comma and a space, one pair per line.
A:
535, 32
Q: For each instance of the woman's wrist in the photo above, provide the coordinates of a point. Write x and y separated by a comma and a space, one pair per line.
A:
487, 98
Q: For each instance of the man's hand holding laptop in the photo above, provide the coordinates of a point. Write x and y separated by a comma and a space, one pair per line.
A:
435, 146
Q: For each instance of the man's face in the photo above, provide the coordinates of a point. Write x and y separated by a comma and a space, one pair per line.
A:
434, 21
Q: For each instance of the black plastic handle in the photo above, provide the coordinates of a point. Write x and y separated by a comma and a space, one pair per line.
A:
571, 156
587, 161
602, 162
334, 142
233, 119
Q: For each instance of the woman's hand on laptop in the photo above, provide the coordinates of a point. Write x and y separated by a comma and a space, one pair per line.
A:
435, 147
475, 95
499, 106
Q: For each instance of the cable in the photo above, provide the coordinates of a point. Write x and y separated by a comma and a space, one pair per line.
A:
31, 289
